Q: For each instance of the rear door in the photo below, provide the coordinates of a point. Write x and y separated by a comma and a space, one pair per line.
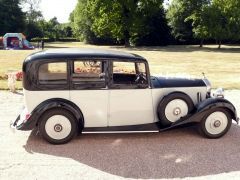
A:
130, 98
88, 90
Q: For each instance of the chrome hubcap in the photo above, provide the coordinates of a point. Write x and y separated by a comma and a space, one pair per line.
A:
217, 124
58, 128
176, 109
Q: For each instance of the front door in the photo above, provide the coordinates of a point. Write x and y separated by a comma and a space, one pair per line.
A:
130, 97
88, 91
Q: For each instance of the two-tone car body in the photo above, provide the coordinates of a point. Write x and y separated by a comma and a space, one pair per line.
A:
69, 91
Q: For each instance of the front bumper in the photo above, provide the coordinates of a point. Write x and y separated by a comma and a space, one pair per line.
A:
237, 120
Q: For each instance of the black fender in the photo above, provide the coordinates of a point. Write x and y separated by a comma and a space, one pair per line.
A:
211, 103
203, 107
174, 92
51, 104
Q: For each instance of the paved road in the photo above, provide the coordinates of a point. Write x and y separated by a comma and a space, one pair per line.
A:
179, 153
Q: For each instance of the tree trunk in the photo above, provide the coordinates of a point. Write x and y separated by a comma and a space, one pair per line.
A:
126, 38
219, 44
126, 24
201, 43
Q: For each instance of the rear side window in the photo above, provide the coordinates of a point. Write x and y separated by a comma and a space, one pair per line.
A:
89, 74
53, 73
89, 71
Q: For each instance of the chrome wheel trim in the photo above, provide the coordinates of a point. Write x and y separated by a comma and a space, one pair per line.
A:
176, 109
216, 123
58, 127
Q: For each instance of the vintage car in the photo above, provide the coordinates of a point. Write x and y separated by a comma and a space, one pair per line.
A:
70, 91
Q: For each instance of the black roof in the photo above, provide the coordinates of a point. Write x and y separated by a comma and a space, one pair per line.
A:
83, 53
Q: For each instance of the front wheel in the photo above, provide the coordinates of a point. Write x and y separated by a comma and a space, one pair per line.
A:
216, 123
58, 126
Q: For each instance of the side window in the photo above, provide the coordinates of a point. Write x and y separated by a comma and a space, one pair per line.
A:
53, 73
88, 74
130, 74
141, 67
124, 68
124, 73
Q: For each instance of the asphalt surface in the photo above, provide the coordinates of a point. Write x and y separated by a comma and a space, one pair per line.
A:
178, 153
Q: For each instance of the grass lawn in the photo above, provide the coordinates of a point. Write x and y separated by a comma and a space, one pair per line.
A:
222, 67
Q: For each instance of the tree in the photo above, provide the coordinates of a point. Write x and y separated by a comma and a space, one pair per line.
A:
51, 29
11, 16
227, 25
113, 18
218, 20
32, 10
150, 24
65, 30
140, 22
33, 16
200, 23
82, 21
178, 15
54, 28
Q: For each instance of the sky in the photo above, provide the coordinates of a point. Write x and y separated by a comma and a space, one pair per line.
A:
59, 8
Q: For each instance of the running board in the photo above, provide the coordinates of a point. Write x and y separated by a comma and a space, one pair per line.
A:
153, 127
117, 132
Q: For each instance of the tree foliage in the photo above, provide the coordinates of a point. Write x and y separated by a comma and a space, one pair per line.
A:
12, 18
81, 21
150, 27
178, 15
25, 16
33, 16
130, 21
53, 30
219, 20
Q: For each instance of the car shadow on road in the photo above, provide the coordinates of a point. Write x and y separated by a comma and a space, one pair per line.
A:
176, 153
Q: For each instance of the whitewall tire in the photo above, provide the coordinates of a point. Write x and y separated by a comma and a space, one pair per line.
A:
216, 123
173, 107
176, 109
58, 126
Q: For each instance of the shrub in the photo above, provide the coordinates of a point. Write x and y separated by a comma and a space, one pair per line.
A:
19, 76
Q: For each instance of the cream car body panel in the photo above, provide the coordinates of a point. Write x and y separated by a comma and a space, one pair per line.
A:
94, 106
33, 98
130, 107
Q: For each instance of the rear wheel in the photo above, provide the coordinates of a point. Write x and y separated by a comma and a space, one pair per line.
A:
58, 126
216, 123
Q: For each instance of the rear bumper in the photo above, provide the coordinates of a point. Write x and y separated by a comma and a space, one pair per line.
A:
21, 123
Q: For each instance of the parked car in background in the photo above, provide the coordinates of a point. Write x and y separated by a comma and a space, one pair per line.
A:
69, 91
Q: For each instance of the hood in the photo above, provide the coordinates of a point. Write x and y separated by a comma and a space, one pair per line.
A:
170, 82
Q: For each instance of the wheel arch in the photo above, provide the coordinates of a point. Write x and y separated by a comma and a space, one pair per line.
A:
58, 103
169, 94
217, 103
204, 107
